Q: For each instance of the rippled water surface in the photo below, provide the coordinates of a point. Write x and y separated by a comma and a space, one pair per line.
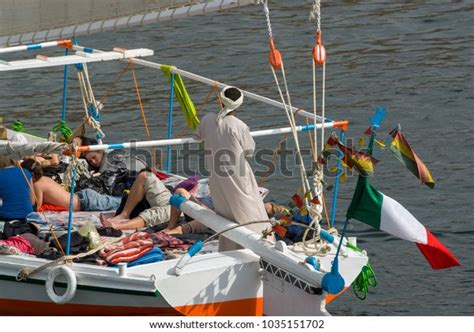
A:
414, 57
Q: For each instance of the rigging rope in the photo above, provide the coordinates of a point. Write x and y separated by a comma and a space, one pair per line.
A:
319, 58
313, 208
277, 63
91, 106
142, 112
113, 86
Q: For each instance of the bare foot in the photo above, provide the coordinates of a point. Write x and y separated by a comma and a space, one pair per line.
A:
176, 230
120, 218
108, 222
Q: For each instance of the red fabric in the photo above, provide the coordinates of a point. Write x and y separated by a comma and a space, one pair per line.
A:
160, 175
50, 207
436, 253
20, 243
298, 200
127, 249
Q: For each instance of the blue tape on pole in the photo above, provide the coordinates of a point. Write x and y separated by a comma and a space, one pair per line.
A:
71, 208
93, 112
33, 47
170, 124
326, 236
88, 50
176, 200
116, 146
195, 248
307, 127
313, 262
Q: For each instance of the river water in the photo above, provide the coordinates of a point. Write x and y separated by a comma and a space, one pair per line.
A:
416, 58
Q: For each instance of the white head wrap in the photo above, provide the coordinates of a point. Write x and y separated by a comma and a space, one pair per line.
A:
229, 104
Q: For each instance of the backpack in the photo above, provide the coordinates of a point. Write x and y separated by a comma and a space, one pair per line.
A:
17, 227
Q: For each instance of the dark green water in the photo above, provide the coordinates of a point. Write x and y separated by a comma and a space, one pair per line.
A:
415, 58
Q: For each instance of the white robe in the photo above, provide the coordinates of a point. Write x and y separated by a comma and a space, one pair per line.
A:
234, 189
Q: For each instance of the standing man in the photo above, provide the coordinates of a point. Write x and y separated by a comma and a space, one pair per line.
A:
234, 189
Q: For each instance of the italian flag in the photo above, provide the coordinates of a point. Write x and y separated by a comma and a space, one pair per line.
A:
382, 212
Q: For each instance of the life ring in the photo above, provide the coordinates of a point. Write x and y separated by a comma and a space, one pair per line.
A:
71, 283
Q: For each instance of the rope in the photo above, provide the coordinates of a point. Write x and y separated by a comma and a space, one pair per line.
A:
325, 210
276, 151
323, 105
315, 14
267, 16
287, 104
304, 180
237, 226
315, 247
315, 111
26, 272
142, 111
91, 106
204, 102
113, 86
78, 166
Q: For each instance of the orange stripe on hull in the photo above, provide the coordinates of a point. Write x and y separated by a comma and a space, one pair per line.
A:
246, 307
332, 297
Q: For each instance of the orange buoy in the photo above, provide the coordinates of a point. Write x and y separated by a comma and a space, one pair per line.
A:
274, 55
319, 52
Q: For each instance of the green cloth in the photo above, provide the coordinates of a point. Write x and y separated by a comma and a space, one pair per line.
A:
183, 97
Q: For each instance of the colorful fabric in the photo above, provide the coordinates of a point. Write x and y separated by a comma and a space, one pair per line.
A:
168, 242
154, 255
382, 212
183, 97
20, 243
128, 249
363, 162
190, 184
50, 207
403, 152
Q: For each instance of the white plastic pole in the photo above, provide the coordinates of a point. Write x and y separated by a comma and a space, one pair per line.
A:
181, 141
32, 47
251, 240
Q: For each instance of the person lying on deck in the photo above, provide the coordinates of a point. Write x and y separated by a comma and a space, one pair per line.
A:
148, 186
47, 191
194, 226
